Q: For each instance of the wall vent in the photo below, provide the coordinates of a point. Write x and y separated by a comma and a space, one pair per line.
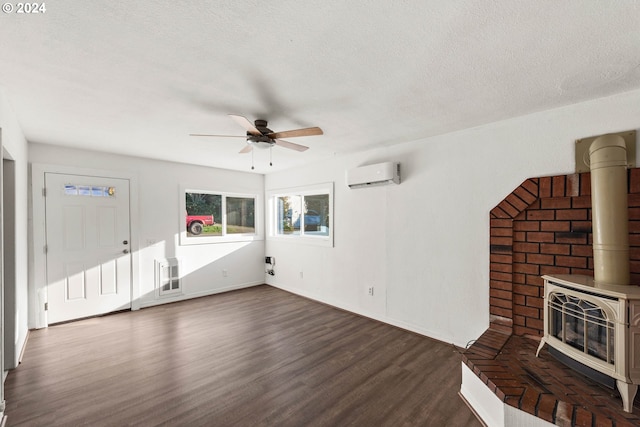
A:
168, 280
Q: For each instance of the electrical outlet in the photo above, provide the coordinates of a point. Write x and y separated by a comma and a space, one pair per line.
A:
225, 273
370, 290
301, 275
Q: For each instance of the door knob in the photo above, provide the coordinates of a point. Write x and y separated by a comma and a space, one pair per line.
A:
125, 242
126, 251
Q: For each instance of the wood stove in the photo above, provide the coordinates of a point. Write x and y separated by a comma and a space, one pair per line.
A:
597, 325
596, 321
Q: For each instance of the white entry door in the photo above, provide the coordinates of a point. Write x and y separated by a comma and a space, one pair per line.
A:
88, 241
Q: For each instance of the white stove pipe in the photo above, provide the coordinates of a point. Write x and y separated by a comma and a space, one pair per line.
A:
608, 164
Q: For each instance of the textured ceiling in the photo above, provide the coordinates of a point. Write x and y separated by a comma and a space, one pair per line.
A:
137, 77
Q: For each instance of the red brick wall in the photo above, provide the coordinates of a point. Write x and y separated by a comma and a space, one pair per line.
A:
544, 227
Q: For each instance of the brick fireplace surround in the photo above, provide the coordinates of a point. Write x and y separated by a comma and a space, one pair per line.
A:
544, 227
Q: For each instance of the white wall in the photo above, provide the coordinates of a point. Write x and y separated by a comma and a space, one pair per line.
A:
424, 245
157, 221
15, 145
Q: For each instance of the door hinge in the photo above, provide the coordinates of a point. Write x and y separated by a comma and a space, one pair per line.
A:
46, 248
44, 192
46, 306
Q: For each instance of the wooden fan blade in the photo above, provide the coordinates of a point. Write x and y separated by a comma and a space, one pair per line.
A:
242, 121
291, 145
218, 136
246, 149
297, 132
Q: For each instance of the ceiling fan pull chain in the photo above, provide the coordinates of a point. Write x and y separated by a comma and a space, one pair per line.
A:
270, 155
252, 159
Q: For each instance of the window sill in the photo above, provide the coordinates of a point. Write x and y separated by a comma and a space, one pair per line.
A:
304, 240
205, 240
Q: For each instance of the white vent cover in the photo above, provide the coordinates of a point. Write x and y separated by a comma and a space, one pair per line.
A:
374, 175
168, 279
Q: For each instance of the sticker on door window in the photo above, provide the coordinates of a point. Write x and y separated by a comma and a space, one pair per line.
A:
89, 190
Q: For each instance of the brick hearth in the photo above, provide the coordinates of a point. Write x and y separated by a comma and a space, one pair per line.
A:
542, 386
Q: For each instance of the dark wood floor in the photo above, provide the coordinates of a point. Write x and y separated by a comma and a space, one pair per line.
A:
254, 357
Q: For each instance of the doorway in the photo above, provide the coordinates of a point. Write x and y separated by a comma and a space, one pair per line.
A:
88, 239
9, 260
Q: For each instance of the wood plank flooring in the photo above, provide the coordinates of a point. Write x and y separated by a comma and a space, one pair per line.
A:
254, 357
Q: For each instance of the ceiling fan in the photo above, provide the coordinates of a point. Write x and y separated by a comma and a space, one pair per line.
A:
259, 135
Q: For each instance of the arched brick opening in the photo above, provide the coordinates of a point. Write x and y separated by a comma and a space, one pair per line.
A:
544, 227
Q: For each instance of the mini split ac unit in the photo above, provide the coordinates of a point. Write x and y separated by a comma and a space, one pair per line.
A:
373, 175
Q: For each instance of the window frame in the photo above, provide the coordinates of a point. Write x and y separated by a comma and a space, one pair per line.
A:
225, 237
310, 190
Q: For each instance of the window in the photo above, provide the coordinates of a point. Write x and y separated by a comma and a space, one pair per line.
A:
89, 190
211, 217
202, 211
302, 214
241, 215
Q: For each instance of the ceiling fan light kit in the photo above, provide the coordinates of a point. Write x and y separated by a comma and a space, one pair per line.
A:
259, 135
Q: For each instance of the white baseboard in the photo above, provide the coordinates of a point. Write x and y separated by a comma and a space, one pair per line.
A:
384, 319
24, 347
182, 297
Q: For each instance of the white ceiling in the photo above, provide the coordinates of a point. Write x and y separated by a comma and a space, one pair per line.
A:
137, 77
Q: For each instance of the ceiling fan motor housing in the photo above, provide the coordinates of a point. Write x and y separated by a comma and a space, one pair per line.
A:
260, 140
261, 125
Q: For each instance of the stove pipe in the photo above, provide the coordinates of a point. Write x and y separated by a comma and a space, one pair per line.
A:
608, 164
